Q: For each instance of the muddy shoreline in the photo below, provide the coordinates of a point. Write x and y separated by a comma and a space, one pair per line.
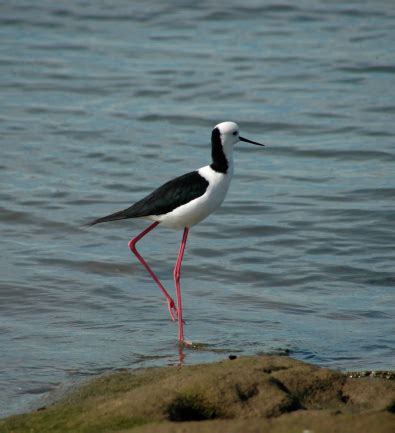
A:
249, 394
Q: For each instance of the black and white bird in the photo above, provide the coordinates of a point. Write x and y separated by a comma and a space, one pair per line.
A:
185, 201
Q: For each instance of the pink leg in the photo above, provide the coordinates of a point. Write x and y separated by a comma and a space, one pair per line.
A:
132, 245
177, 274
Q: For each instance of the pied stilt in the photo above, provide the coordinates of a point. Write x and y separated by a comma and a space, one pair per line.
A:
183, 202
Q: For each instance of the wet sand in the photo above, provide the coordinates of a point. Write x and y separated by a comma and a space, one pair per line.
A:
250, 394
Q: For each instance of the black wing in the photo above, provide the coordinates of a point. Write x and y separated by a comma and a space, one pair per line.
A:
164, 199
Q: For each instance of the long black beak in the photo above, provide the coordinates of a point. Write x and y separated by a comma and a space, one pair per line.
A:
249, 141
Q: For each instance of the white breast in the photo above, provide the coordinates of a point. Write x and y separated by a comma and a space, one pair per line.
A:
200, 208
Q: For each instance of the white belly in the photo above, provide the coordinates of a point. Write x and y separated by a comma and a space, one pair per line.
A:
200, 208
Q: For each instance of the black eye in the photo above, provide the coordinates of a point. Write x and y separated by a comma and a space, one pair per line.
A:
234, 133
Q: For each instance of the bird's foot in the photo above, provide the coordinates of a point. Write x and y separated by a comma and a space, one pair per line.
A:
185, 343
172, 309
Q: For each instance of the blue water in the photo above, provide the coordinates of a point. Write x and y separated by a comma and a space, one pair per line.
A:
100, 102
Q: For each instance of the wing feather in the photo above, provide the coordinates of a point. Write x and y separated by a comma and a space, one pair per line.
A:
164, 199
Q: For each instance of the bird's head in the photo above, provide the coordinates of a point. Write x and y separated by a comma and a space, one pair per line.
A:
227, 133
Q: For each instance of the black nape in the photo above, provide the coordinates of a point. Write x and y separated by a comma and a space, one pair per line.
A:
220, 163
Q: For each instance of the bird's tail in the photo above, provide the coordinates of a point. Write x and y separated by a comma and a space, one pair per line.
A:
121, 215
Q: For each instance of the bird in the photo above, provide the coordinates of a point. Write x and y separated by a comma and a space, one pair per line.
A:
182, 203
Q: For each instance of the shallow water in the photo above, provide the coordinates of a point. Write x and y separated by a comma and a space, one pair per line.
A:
102, 103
